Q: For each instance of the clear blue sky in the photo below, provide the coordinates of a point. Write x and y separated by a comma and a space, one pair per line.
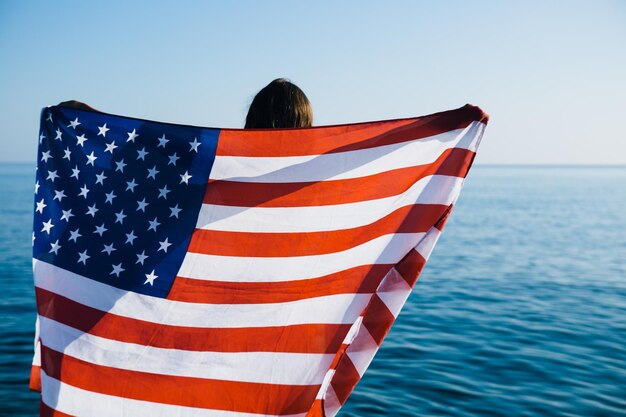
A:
552, 74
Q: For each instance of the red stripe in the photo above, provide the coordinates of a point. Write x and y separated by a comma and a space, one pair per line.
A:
453, 162
303, 338
341, 138
378, 319
411, 266
358, 280
215, 394
345, 378
408, 219
35, 378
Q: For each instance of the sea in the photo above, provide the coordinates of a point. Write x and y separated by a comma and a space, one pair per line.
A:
520, 311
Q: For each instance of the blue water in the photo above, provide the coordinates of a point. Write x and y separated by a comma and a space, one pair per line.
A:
521, 310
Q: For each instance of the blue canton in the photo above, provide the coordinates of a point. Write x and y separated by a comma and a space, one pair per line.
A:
116, 198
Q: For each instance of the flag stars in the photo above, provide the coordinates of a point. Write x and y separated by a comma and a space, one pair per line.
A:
117, 270
47, 226
83, 191
100, 230
74, 123
66, 215
141, 257
102, 130
37, 186
141, 154
142, 205
130, 185
59, 194
49, 118
75, 172
74, 235
91, 158
164, 245
152, 172
194, 145
132, 136
82, 257
45, 156
110, 147
58, 135
173, 158
91, 210
68, 154
80, 140
100, 178
109, 197
41, 138
55, 247
52, 175
174, 211
120, 166
130, 237
150, 278
163, 192
162, 141
154, 224
108, 249
119, 217
185, 178
40, 206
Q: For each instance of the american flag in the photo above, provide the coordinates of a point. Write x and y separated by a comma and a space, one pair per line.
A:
189, 271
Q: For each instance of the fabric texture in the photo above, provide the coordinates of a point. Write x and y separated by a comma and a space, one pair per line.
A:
191, 271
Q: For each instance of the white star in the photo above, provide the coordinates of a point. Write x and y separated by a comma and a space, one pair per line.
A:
40, 206
55, 247
109, 197
100, 229
163, 192
75, 172
33, 242
117, 269
67, 155
173, 159
84, 191
100, 178
36, 186
152, 173
47, 226
66, 215
119, 217
153, 224
174, 211
58, 136
92, 210
164, 245
41, 138
110, 147
130, 237
194, 145
80, 140
45, 156
102, 130
49, 118
162, 141
52, 175
150, 278
83, 257
108, 249
132, 136
141, 257
185, 178
59, 194
141, 154
120, 166
130, 185
91, 158
142, 205
74, 123
74, 235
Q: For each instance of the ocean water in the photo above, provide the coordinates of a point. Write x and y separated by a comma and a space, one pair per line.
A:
520, 311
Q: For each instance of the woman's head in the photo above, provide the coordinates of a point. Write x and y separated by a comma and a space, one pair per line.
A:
280, 104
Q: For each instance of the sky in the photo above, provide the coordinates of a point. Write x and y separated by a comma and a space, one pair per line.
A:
551, 74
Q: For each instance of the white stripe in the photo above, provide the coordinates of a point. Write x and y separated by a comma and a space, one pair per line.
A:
335, 309
81, 403
261, 367
435, 189
362, 350
393, 291
427, 244
343, 165
331, 403
387, 249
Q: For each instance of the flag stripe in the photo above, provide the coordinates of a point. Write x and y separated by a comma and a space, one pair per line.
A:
344, 165
408, 219
328, 139
453, 162
262, 367
362, 279
433, 189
